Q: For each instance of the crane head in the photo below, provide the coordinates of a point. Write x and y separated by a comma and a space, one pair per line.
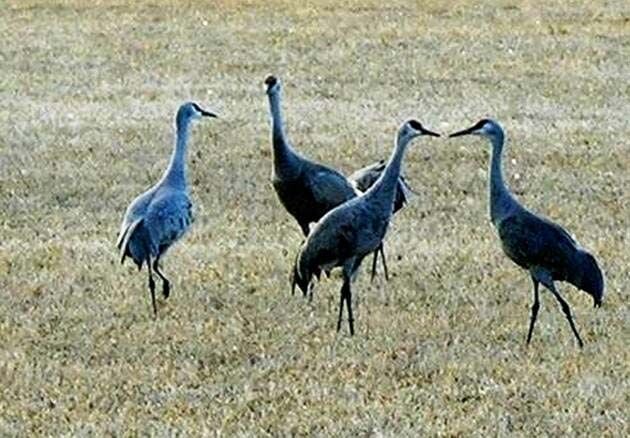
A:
484, 127
191, 111
413, 128
272, 83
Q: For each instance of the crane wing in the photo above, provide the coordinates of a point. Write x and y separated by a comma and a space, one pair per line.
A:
366, 176
168, 217
333, 238
125, 237
530, 240
122, 234
330, 188
136, 210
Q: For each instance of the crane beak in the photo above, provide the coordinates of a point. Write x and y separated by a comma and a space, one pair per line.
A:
430, 133
207, 113
463, 132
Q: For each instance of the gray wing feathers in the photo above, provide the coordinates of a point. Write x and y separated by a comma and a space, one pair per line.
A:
168, 218
135, 211
330, 187
126, 236
330, 240
365, 178
530, 240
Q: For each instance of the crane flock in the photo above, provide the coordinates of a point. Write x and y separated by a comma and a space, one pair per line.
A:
344, 219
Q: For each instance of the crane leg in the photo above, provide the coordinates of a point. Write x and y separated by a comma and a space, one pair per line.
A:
348, 295
341, 301
294, 272
535, 307
152, 286
293, 282
374, 260
166, 285
567, 312
382, 251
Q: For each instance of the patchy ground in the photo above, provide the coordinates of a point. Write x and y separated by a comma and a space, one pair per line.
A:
88, 97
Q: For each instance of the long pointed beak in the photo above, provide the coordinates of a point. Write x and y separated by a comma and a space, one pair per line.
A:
425, 131
463, 132
207, 113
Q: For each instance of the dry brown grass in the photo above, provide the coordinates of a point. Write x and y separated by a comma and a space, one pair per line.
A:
88, 94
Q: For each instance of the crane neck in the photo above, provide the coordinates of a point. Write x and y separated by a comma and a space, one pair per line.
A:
500, 197
285, 162
384, 189
175, 174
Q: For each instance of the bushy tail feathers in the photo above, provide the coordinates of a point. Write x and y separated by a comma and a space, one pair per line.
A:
302, 275
125, 241
403, 193
589, 277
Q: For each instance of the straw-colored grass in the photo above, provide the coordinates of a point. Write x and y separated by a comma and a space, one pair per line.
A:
88, 92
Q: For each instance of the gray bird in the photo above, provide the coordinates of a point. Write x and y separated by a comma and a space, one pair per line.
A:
349, 232
534, 243
160, 216
307, 189
362, 180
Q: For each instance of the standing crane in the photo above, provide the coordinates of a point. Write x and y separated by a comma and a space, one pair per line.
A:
534, 243
349, 232
307, 189
160, 216
362, 180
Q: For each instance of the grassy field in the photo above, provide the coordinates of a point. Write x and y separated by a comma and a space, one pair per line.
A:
89, 91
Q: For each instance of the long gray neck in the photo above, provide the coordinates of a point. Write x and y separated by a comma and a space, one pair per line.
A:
501, 200
384, 189
175, 174
285, 160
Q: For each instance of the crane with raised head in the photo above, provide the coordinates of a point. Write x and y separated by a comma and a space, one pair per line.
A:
160, 216
356, 228
307, 189
534, 243
362, 180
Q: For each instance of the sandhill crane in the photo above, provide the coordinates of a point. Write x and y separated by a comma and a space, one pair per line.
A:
534, 243
349, 232
306, 189
160, 216
362, 180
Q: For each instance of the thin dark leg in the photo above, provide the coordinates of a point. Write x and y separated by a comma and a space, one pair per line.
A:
341, 301
348, 295
382, 250
166, 285
567, 311
374, 260
294, 273
535, 308
152, 287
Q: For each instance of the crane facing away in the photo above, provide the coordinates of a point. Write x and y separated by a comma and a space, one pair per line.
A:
354, 229
534, 243
160, 216
307, 189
